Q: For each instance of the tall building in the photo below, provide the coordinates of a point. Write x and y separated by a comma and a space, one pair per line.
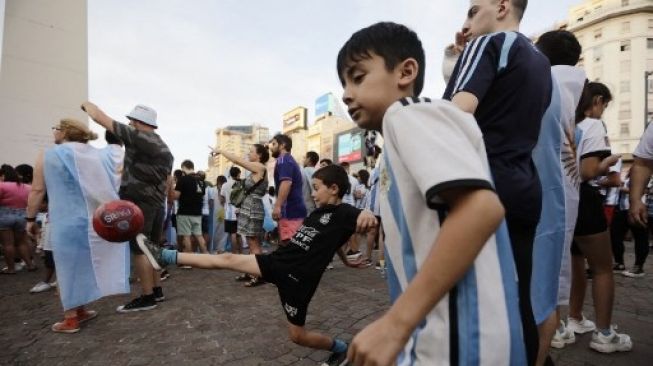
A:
617, 40
236, 140
320, 136
44, 72
295, 127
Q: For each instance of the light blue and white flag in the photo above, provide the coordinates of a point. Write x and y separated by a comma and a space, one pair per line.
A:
78, 179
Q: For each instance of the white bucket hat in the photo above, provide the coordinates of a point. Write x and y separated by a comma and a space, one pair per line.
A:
143, 114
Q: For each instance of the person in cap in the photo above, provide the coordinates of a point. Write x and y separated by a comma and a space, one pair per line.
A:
147, 165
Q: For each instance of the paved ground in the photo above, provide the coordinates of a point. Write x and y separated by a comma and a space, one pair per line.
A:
209, 319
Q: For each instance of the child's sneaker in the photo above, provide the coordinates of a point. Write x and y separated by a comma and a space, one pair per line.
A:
138, 304
580, 326
336, 359
614, 342
635, 272
152, 252
618, 268
561, 339
158, 294
40, 287
352, 256
68, 325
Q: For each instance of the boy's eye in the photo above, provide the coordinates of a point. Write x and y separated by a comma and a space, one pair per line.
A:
358, 78
472, 12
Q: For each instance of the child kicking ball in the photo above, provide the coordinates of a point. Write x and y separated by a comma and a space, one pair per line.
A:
296, 269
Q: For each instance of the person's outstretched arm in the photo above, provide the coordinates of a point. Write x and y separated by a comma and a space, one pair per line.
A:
452, 254
254, 167
98, 116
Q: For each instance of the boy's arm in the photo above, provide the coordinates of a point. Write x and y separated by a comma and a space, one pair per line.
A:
98, 116
346, 261
452, 253
282, 195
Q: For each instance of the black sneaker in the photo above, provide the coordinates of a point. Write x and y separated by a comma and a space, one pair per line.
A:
151, 251
635, 272
336, 359
165, 275
138, 304
618, 268
158, 294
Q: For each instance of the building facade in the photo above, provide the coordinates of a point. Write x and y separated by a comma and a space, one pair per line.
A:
617, 40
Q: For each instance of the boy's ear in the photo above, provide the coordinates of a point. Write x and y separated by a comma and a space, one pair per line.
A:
333, 189
502, 9
408, 70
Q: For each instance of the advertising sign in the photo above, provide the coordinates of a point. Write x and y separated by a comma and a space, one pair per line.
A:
324, 105
350, 146
295, 119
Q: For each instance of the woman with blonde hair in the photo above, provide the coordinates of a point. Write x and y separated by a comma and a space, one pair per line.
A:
78, 179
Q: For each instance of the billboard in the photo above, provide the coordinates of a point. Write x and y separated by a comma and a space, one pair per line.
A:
295, 119
349, 146
324, 105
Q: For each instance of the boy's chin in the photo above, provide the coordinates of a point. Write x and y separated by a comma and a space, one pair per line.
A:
368, 125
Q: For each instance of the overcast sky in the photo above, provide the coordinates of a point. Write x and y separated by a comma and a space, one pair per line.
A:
205, 64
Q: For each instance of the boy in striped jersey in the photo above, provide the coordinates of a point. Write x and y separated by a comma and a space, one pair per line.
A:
505, 82
452, 282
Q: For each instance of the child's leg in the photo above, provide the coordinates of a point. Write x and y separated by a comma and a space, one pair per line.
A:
299, 335
235, 262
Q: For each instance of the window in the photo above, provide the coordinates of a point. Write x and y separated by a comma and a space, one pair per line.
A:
624, 129
625, 67
598, 53
624, 86
598, 71
625, 27
624, 115
598, 33
650, 24
625, 46
649, 43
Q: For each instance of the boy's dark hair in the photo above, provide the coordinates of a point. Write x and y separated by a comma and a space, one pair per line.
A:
313, 157
393, 42
364, 177
326, 161
344, 164
25, 173
9, 173
520, 6
221, 179
263, 153
187, 164
234, 172
284, 140
111, 138
560, 46
591, 91
334, 174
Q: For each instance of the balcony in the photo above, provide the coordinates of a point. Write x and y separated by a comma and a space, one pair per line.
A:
595, 16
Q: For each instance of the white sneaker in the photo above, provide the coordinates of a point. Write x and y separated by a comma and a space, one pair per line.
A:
53, 283
580, 326
560, 340
40, 287
19, 266
614, 342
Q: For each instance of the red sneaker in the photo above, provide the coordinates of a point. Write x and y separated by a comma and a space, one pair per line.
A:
68, 325
84, 315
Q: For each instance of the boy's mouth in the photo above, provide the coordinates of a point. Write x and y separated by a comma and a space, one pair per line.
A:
353, 112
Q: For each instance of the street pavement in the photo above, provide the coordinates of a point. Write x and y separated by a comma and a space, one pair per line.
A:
210, 319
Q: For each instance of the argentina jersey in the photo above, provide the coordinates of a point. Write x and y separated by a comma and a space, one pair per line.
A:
477, 322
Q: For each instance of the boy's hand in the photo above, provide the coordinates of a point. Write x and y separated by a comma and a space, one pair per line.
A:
377, 344
32, 230
276, 213
638, 213
366, 220
606, 163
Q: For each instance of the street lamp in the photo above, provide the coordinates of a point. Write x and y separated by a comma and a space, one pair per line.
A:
646, 75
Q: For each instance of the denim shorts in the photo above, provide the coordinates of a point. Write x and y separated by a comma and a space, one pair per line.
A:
12, 218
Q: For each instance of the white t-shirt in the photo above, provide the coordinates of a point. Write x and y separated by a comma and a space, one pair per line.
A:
349, 197
645, 148
229, 209
591, 141
208, 195
372, 202
307, 188
486, 322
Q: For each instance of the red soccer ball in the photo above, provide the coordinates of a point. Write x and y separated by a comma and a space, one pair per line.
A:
118, 221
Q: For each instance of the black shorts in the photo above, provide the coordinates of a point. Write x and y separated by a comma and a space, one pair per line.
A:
230, 227
205, 224
295, 291
591, 218
152, 227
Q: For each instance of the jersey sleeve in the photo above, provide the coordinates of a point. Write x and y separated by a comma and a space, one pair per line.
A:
440, 133
645, 148
285, 171
349, 216
481, 61
127, 134
594, 142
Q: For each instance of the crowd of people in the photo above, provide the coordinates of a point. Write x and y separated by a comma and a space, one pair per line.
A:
488, 247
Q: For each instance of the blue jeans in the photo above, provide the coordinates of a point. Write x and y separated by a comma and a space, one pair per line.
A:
12, 219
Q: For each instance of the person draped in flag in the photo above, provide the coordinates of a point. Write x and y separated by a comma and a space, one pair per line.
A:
78, 179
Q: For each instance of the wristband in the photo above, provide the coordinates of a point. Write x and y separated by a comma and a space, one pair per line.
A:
30, 219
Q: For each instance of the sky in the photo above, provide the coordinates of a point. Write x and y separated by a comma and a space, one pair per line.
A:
206, 64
